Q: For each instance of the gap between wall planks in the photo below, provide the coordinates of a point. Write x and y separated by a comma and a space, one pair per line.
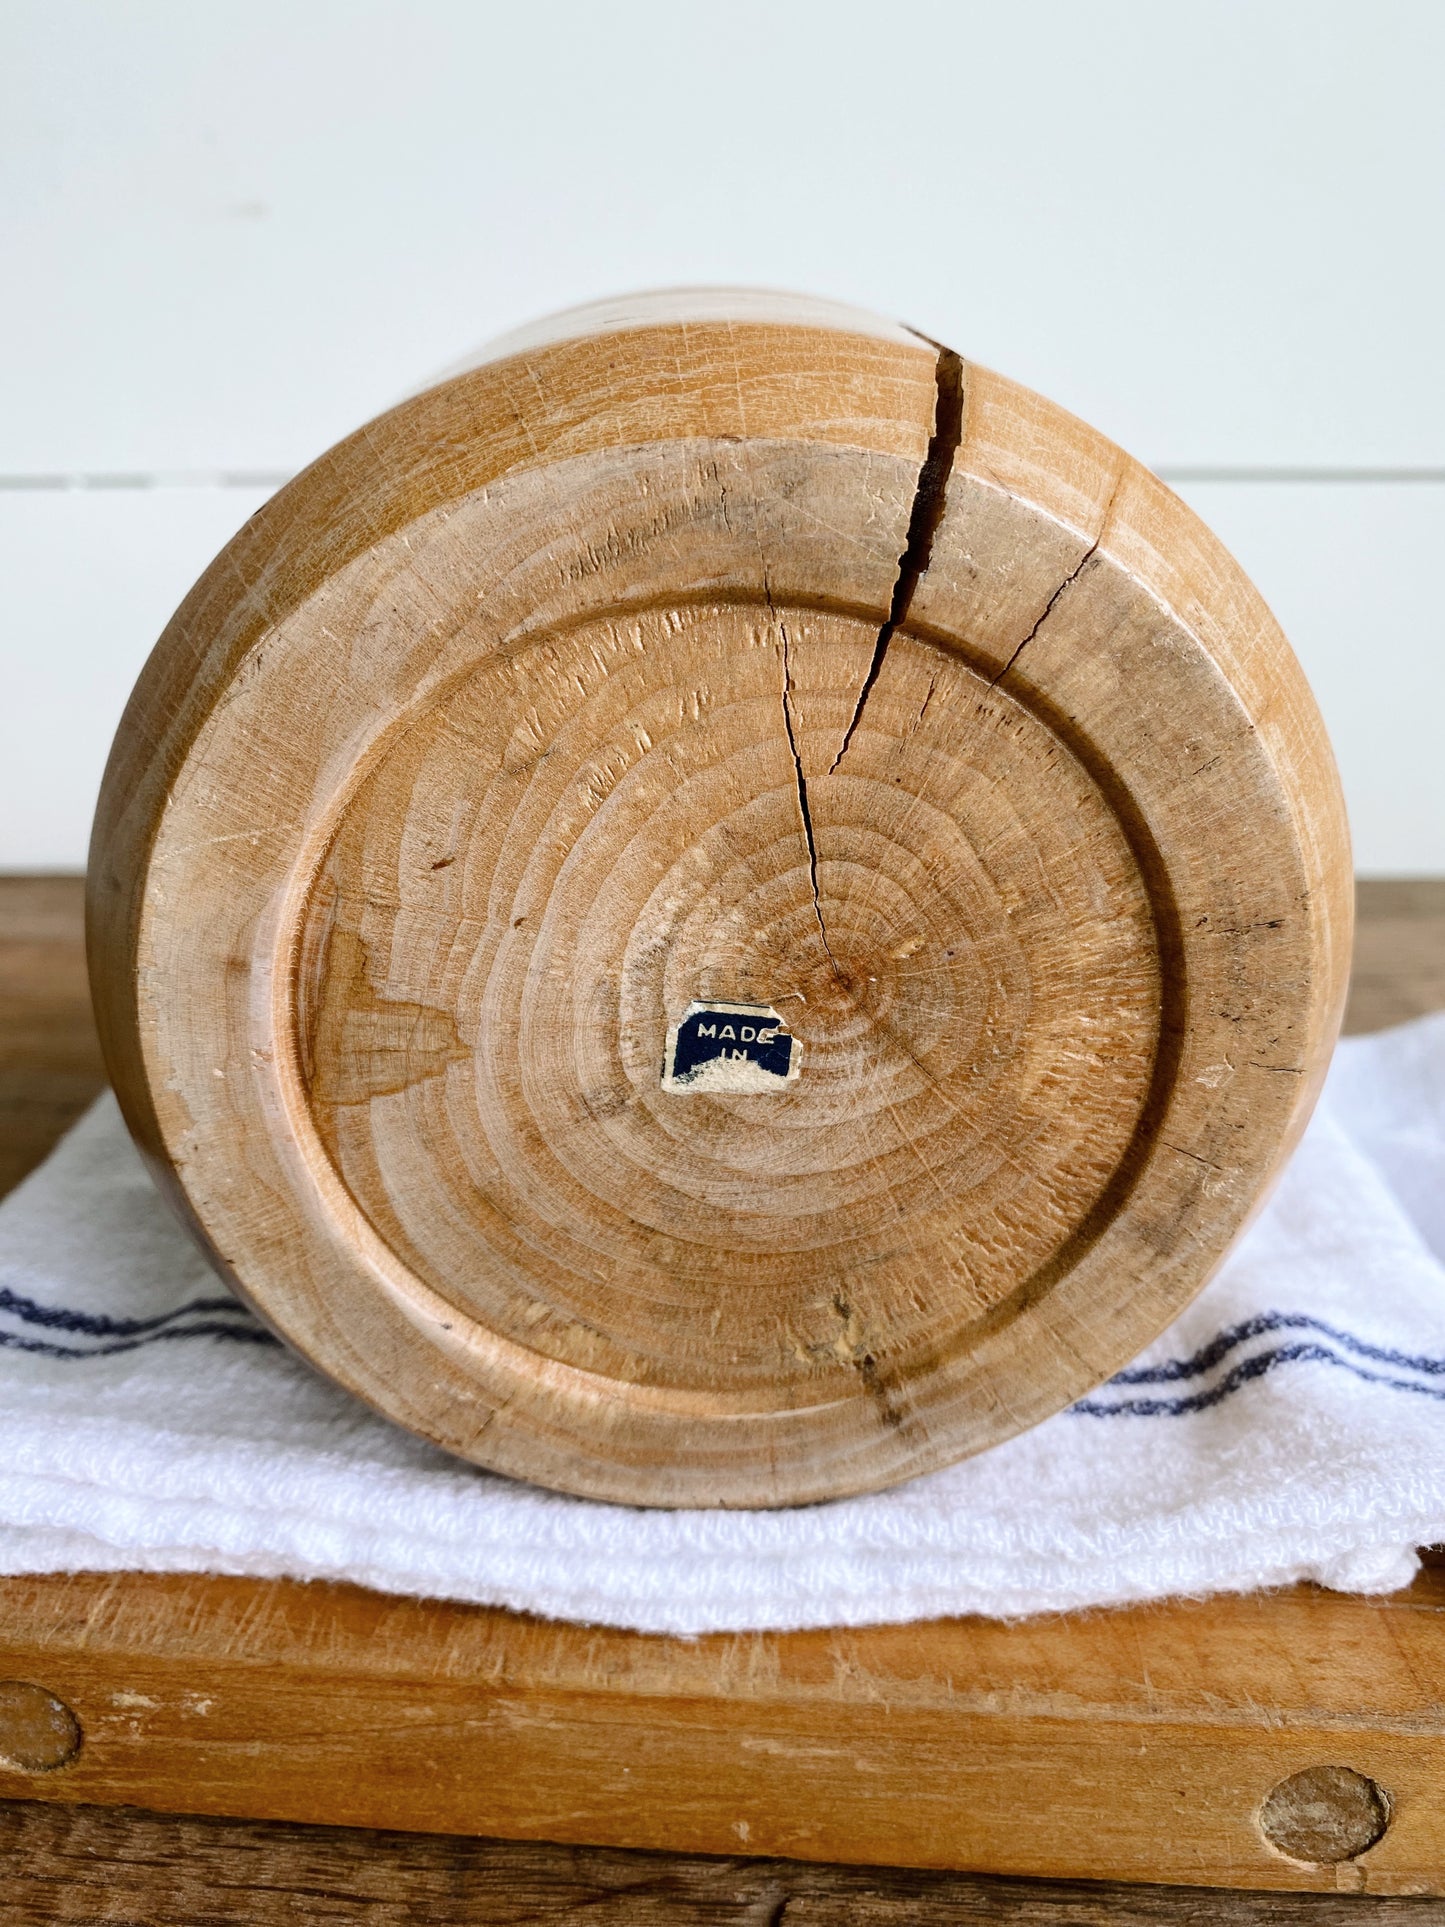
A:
1130, 1745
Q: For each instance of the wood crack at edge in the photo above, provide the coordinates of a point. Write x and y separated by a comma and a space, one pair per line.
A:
929, 498
1069, 580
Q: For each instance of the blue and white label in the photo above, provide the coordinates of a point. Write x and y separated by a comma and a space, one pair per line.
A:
737, 1050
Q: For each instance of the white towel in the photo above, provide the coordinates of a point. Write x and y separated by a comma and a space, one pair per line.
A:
1290, 1425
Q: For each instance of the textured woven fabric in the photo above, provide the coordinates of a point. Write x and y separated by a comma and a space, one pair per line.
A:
1290, 1425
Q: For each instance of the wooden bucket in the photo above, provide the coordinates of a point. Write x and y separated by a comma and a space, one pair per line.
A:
722, 908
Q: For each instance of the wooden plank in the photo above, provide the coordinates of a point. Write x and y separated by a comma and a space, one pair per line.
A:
1136, 1744
1117, 1745
84, 1864
1399, 966
50, 1066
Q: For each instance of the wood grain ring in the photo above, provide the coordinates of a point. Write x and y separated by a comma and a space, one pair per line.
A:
781, 661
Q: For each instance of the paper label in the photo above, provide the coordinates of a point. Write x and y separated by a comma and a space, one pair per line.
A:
738, 1050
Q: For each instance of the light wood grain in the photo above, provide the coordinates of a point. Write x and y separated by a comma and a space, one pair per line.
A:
782, 662
1138, 1744
50, 1064
93, 574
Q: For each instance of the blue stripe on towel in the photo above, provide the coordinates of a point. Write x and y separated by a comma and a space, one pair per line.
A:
245, 1334
97, 1325
236, 1323
125, 1334
1208, 1356
1242, 1374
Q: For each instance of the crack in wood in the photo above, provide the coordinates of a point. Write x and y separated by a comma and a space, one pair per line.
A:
804, 810
929, 499
1069, 580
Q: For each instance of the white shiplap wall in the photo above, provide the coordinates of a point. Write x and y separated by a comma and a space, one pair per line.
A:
230, 232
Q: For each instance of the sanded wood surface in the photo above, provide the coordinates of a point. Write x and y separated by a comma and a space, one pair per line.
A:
779, 678
1151, 1744
1140, 1744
